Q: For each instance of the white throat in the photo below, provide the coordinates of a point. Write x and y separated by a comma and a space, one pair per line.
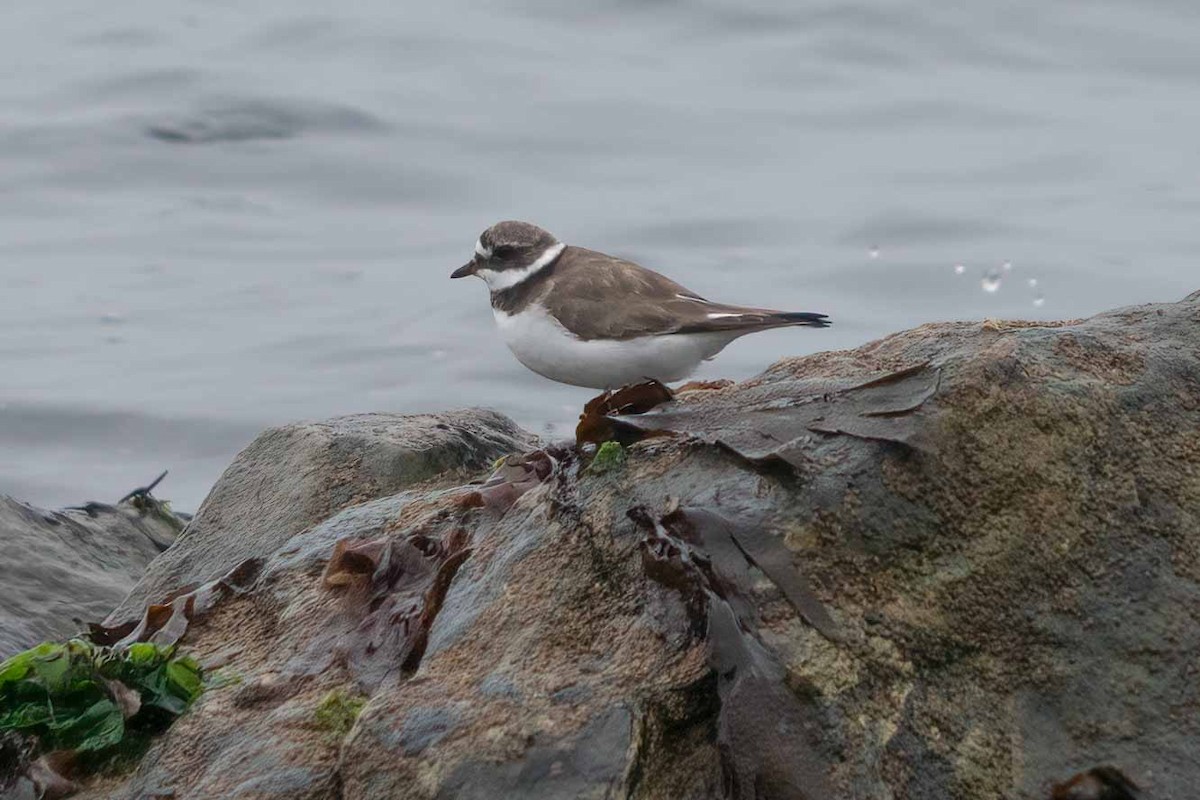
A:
499, 280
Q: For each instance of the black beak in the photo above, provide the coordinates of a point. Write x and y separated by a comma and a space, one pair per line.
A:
465, 270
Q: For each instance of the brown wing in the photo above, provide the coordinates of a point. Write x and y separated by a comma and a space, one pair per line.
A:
649, 304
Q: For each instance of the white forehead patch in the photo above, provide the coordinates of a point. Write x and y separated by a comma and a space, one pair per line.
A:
499, 280
481, 251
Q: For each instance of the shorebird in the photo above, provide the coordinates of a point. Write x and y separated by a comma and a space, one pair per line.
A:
589, 319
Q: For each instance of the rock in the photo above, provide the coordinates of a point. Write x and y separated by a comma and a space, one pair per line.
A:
62, 569
292, 477
958, 562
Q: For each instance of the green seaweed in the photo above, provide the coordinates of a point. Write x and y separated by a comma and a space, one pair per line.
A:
609, 456
95, 700
338, 711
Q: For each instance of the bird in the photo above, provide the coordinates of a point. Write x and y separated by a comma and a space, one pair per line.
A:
588, 319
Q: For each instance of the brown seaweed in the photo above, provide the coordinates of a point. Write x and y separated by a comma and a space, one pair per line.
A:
1099, 783
777, 420
405, 582
512, 477
765, 734
165, 623
596, 422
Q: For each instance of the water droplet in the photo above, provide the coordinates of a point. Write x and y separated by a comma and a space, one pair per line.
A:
1039, 301
991, 281
1032, 283
959, 269
1006, 266
874, 251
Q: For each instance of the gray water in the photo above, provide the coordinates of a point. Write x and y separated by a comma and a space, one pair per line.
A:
216, 216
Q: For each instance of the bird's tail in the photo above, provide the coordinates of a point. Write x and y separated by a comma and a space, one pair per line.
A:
740, 320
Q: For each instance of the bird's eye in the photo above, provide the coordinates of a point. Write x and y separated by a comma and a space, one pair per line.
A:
503, 251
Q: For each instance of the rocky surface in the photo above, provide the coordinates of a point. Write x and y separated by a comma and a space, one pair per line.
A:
292, 477
61, 569
960, 562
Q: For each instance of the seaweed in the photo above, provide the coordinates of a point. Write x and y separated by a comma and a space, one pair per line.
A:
403, 583
512, 476
165, 623
610, 456
705, 559
775, 421
596, 422
1099, 783
81, 706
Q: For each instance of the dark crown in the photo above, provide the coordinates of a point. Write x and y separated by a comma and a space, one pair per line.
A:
516, 236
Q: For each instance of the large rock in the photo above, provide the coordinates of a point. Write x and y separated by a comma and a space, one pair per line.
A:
960, 562
61, 569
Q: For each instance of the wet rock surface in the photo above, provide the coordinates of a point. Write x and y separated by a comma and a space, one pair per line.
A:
960, 562
292, 477
61, 569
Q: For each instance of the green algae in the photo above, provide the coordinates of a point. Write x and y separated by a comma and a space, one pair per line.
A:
610, 456
93, 700
338, 711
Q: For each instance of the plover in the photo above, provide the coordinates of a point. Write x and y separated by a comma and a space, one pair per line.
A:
588, 319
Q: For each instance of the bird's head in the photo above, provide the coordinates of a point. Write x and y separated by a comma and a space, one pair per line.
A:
509, 252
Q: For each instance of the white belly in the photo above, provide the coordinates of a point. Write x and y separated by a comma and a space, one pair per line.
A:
546, 347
